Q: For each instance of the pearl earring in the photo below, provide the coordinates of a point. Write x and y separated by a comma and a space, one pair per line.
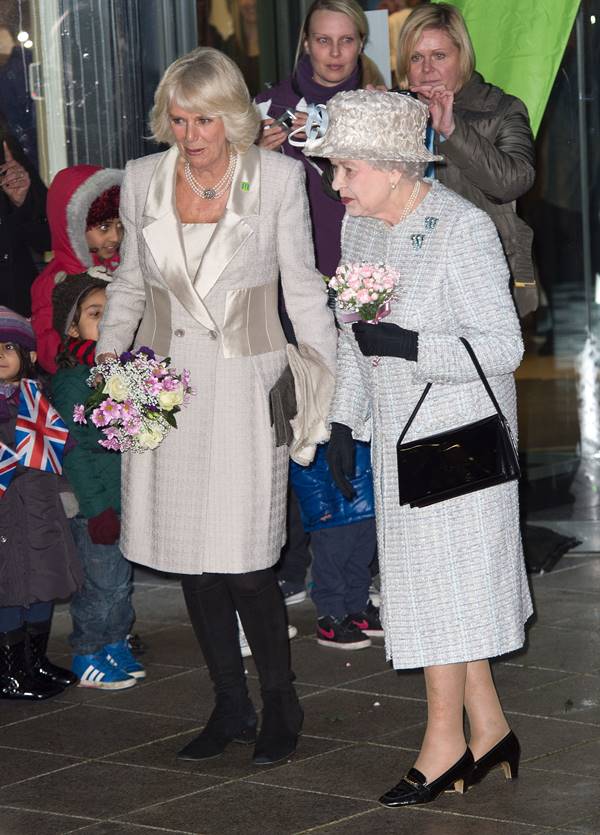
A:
394, 185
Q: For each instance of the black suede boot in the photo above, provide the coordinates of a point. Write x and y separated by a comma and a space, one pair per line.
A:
233, 720
39, 666
263, 616
213, 618
15, 680
282, 719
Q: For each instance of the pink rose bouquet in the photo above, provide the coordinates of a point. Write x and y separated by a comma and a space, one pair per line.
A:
364, 291
136, 400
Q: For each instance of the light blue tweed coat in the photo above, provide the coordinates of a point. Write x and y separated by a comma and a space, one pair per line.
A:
454, 586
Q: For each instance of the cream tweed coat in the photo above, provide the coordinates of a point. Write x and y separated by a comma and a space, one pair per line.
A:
452, 575
212, 496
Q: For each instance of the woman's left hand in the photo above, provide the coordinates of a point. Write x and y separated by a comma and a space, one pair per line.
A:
386, 340
441, 107
14, 179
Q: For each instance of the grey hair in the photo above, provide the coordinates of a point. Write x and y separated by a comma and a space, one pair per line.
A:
208, 82
410, 170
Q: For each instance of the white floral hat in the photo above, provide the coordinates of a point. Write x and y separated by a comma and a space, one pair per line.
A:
372, 125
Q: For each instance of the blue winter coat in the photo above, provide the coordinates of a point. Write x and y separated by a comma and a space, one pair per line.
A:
321, 503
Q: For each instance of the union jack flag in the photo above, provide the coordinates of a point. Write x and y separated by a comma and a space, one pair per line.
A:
40, 432
8, 465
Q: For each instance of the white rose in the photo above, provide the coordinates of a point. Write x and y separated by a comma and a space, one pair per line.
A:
116, 388
168, 399
150, 438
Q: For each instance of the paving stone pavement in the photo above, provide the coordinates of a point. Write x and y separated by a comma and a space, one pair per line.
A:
104, 763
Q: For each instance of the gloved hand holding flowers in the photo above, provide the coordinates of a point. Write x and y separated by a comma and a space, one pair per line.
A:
135, 400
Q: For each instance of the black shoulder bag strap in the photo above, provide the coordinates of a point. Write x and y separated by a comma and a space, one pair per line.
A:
482, 377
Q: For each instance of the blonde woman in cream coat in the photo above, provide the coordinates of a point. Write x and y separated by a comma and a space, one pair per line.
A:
209, 226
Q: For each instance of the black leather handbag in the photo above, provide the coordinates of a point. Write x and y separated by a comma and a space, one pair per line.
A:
459, 461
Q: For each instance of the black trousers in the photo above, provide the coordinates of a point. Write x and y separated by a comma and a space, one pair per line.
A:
212, 600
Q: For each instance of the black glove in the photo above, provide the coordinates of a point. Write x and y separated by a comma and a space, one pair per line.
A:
340, 457
386, 340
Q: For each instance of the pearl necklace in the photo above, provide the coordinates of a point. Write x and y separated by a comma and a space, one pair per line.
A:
219, 188
410, 203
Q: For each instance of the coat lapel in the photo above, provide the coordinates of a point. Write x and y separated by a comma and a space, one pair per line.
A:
234, 228
162, 234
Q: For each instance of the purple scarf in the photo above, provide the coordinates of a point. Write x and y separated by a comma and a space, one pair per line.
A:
315, 93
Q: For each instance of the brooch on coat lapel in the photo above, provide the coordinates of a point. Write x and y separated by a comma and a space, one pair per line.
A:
417, 239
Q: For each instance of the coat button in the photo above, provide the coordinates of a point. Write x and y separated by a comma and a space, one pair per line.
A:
212, 334
179, 332
3, 539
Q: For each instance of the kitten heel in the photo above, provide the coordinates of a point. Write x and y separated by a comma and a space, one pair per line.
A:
506, 754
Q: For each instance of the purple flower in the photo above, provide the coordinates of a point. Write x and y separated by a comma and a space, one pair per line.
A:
126, 356
169, 384
147, 351
79, 413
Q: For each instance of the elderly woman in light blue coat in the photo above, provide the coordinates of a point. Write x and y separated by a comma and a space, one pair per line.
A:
454, 588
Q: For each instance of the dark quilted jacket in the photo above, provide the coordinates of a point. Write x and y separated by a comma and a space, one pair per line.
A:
38, 560
489, 160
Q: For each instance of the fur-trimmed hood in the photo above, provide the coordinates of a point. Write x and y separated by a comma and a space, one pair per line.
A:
72, 192
70, 196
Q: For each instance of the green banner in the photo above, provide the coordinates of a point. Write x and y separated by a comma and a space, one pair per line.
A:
519, 45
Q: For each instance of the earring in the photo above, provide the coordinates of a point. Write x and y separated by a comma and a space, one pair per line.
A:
394, 185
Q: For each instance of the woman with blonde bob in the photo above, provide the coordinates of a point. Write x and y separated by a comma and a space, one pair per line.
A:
483, 133
210, 224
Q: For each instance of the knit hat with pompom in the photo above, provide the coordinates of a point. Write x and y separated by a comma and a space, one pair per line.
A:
17, 329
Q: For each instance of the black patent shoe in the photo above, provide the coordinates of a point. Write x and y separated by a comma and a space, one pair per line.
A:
414, 788
16, 681
219, 731
40, 668
506, 753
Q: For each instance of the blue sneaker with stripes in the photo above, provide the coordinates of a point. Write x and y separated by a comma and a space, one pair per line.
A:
95, 670
120, 654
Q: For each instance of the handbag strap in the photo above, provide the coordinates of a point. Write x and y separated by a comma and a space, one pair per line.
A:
427, 388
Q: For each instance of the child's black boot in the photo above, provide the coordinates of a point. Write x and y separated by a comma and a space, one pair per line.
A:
39, 665
15, 680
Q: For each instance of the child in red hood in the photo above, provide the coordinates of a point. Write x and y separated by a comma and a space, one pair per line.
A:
83, 213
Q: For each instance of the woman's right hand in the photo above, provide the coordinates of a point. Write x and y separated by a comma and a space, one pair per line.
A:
440, 101
272, 136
